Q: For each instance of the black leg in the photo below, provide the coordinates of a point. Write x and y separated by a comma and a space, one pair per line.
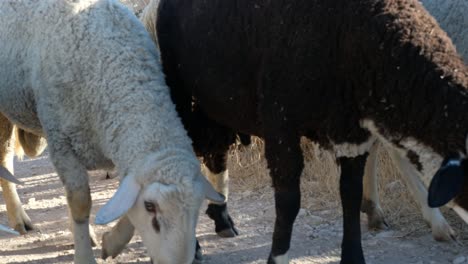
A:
285, 162
198, 254
224, 225
352, 171
218, 176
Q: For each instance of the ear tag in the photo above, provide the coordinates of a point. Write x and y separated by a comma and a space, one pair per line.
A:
446, 183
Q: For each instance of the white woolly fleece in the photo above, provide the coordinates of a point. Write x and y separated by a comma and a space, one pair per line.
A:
86, 75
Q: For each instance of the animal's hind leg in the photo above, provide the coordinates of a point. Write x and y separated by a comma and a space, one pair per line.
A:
352, 170
218, 175
286, 163
370, 200
17, 217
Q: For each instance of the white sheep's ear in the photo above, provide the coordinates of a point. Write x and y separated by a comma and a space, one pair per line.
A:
6, 174
120, 203
210, 193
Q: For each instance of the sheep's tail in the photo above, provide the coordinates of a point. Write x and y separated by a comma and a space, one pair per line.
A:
28, 143
149, 17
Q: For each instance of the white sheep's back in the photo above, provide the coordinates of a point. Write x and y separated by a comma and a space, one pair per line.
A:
90, 69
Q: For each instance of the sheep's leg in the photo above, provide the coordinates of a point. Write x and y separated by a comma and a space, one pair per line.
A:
211, 141
94, 241
75, 179
441, 230
370, 201
352, 170
17, 217
285, 162
218, 175
114, 241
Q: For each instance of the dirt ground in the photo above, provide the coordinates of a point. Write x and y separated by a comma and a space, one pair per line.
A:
316, 237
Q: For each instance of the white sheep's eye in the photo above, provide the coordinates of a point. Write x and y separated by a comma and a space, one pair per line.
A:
150, 207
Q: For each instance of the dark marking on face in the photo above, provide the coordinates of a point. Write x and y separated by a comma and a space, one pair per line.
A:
153, 208
414, 159
156, 225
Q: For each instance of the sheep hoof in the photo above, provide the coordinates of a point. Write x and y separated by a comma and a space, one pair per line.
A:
224, 225
443, 232
377, 222
375, 215
231, 232
104, 254
24, 225
23, 228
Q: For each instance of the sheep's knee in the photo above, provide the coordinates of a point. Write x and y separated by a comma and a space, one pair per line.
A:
79, 202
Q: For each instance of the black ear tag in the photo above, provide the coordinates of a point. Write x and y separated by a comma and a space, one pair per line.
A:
446, 184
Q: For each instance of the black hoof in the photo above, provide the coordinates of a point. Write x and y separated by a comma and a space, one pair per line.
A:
224, 226
198, 254
228, 233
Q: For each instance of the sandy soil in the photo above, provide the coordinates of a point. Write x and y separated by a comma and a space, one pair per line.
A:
316, 237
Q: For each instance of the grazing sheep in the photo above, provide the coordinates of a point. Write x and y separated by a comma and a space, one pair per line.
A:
451, 15
373, 69
342, 73
86, 76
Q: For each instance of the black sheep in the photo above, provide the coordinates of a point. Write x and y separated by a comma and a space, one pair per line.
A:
339, 72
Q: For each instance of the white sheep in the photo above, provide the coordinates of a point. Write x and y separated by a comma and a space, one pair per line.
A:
452, 17
86, 75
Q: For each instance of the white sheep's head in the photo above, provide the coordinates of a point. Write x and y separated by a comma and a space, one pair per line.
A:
165, 214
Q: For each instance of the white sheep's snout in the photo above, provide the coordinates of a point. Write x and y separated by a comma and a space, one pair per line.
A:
166, 218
